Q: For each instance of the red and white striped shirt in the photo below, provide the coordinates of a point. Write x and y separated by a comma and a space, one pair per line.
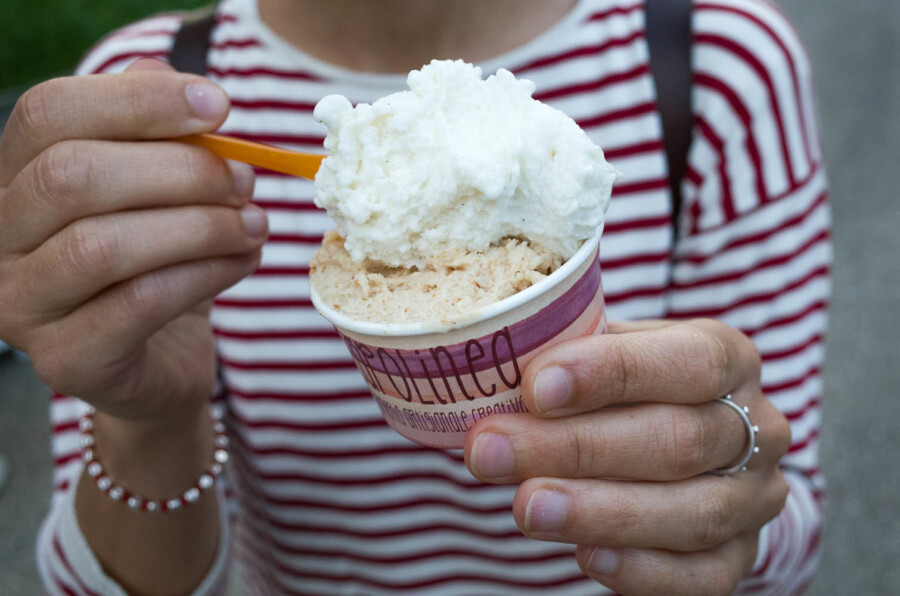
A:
325, 498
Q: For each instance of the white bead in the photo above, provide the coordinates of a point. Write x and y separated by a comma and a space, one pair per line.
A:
173, 504
192, 494
86, 425
94, 469
219, 428
134, 502
221, 456
746, 410
104, 482
152, 506
756, 450
755, 429
216, 469
87, 441
116, 493
88, 455
221, 441
206, 481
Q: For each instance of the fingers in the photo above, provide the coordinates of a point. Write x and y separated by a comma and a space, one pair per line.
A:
78, 179
691, 515
691, 362
638, 572
657, 442
135, 105
97, 252
122, 318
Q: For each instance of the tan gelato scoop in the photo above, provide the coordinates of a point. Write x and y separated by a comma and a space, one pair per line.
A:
303, 165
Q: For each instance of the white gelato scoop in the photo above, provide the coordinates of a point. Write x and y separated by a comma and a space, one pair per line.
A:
458, 162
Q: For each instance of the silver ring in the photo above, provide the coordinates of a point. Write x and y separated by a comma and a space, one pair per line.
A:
752, 431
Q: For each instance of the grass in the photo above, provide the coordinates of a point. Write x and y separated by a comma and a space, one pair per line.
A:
40, 39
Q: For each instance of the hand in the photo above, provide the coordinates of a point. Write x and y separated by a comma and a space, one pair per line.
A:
113, 241
615, 458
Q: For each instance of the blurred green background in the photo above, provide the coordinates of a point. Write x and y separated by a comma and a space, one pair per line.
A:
40, 39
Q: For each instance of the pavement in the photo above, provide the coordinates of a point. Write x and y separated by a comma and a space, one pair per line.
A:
855, 48
25, 441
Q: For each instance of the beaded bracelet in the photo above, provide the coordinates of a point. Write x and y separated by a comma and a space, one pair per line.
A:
118, 493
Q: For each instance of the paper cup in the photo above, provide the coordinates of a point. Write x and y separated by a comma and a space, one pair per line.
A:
434, 380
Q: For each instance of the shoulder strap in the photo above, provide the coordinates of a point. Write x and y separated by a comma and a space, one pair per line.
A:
191, 46
670, 37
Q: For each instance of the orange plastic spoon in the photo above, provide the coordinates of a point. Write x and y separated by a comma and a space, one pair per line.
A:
304, 165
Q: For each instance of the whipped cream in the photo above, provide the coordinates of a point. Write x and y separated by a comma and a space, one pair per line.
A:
458, 162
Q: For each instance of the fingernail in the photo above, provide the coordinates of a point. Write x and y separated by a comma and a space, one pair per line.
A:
492, 456
603, 561
551, 389
208, 101
546, 510
244, 178
255, 221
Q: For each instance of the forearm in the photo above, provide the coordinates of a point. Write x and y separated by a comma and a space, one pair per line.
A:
146, 553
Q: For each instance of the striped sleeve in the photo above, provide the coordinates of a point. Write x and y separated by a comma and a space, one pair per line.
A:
754, 245
65, 561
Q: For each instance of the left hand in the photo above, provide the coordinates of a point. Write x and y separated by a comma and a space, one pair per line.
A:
615, 458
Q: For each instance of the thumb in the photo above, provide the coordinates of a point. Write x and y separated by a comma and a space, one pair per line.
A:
149, 64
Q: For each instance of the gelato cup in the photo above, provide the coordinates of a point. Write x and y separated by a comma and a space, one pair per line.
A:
434, 380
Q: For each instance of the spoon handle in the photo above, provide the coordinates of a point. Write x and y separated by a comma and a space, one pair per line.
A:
304, 165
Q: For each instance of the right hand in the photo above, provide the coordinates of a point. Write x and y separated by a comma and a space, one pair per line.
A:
112, 247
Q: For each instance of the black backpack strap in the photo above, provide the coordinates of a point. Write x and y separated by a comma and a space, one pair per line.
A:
189, 52
670, 37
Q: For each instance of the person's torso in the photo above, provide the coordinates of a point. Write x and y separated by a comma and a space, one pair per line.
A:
332, 500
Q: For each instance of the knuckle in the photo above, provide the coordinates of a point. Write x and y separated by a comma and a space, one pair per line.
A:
781, 490
131, 94
49, 182
689, 438
718, 358
214, 226
45, 368
747, 354
616, 365
781, 434
195, 168
60, 170
713, 521
581, 442
705, 357
51, 365
737, 350
86, 251
203, 170
751, 357
36, 110
141, 296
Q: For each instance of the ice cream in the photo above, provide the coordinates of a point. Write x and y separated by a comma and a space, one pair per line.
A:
458, 281
460, 179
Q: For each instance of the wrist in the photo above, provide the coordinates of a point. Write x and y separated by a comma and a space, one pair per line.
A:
156, 459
